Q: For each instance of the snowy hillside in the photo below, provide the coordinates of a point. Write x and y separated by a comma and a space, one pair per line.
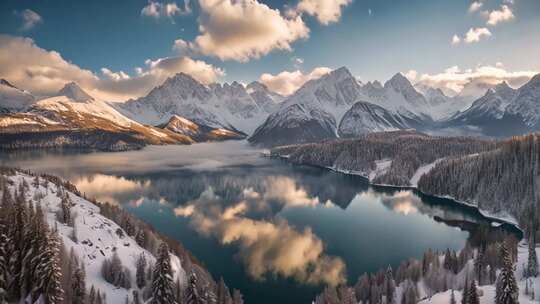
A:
197, 132
227, 106
13, 99
365, 117
92, 237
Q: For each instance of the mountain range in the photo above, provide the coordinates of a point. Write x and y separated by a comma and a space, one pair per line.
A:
183, 111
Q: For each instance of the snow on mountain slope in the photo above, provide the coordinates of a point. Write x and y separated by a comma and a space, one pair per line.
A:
13, 99
227, 106
181, 125
365, 117
97, 237
318, 105
442, 106
526, 103
263, 97
490, 106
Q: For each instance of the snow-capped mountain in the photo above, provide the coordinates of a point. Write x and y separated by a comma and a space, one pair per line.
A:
263, 97
526, 103
227, 106
74, 118
181, 125
312, 112
13, 99
504, 111
441, 105
365, 117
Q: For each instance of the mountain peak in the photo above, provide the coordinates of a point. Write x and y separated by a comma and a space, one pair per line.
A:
7, 83
341, 73
398, 81
75, 92
501, 86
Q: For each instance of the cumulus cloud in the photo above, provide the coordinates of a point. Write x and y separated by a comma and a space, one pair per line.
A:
44, 72
502, 15
456, 39
287, 82
475, 6
157, 9
326, 11
456, 79
476, 34
244, 29
411, 74
29, 18
266, 246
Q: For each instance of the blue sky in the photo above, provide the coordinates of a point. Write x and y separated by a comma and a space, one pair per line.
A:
373, 38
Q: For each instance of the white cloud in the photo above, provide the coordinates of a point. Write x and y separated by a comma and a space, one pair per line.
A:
44, 72
244, 29
456, 39
326, 11
476, 34
496, 16
411, 75
29, 18
287, 82
475, 6
456, 79
158, 9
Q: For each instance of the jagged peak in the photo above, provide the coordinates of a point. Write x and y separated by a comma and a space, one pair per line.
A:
74, 91
398, 81
7, 83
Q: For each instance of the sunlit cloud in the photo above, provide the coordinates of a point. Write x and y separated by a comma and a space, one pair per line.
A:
29, 18
156, 9
287, 82
266, 246
44, 72
455, 79
504, 14
475, 6
245, 29
476, 34
326, 11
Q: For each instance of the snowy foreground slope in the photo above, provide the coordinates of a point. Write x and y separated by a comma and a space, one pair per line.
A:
487, 292
96, 237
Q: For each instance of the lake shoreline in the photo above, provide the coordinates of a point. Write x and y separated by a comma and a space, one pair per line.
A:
486, 214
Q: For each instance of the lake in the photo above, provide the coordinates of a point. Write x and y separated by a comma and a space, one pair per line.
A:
277, 232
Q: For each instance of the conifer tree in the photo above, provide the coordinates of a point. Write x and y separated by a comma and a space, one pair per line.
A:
140, 274
473, 294
192, 292
162, 284
452, 297
78, 284
48, 272
532, 264
506, 291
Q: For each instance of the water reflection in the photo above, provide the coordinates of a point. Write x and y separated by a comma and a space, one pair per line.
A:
263, 225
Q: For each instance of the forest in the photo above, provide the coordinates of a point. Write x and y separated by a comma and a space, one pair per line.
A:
37, 264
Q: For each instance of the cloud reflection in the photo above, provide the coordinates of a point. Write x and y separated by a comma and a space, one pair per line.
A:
106, 188
267, 246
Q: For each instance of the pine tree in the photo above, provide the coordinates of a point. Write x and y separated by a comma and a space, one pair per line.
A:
506, 291
92, 295
473, 294
192, 292
162, 285
48, 272
464, 298
452, 297
237, 297
532, 264
389, 285
78, 284
140, 274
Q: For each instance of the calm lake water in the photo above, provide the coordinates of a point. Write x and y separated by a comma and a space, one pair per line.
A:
277, 232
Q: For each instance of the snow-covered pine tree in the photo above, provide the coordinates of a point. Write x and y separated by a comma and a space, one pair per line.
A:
532, 264
506, 291
464, 298
48, 272
140, 272
66, 209
223, 294
78, 284
162, 284
452, 297
389, 285
192, 291
472, 295
237, 297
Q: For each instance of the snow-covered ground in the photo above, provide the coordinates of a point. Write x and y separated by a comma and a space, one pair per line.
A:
487, 292
421, 171
97, 239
